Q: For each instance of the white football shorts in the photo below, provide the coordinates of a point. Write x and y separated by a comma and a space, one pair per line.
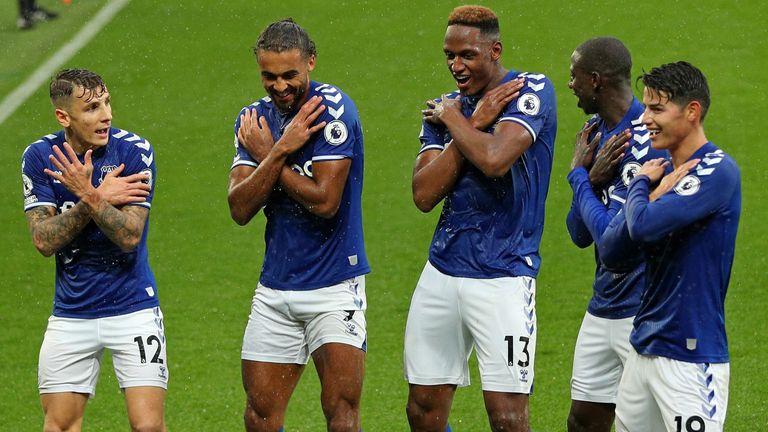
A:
287, 326
449, 316
70, 356
659, 393
598, 360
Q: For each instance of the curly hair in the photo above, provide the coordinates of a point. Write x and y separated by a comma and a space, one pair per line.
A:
476, 16
285, 35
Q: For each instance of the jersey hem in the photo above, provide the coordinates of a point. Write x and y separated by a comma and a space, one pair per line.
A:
65, 314
280, 286
675, 356
495, 274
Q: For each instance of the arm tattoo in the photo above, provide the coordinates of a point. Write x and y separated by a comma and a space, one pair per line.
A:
123, 226
51, 231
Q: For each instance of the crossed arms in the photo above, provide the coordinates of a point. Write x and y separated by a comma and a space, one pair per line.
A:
436, 171
105, 205
250, 188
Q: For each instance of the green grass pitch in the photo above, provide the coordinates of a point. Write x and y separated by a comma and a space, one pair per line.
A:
180, 71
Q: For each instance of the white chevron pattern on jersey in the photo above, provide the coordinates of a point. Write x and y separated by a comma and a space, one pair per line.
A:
713, 158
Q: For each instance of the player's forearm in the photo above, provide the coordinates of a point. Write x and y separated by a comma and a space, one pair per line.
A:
482, 149
249, 194
317, 198
436, 178
50, 232
123, 226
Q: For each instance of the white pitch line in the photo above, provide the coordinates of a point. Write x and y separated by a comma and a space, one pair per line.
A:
43, 73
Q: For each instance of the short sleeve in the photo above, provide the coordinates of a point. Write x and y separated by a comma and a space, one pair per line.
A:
37, 186
337, 139
533, 106
242, 157
141, 159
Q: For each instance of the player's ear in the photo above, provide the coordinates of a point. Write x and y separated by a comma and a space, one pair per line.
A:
311, 63
496, 49
62, 117
693, 111
597, 80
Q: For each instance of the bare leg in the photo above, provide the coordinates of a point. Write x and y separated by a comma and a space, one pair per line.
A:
340, 368
590, 417
507, 411
268, 387
428, 406
145, 408
63, 411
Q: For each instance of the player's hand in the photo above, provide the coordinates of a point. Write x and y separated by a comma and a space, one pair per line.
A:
255, 136
670, 180
429, 113
74, 175
583, 149
608, 159
493, 103
119, 191
300, 129
654, 169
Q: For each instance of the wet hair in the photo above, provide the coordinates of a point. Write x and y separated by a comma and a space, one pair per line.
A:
680, 82
67, 80
606, 56
285, 35
476, 16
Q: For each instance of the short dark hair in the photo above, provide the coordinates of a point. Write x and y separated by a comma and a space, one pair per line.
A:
681, 82
66, 80
285, 35
607, 56
479, 17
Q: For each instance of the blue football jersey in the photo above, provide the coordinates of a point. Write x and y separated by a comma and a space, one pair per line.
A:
305, 251
94, 277
688, 238
491, 227
615, 294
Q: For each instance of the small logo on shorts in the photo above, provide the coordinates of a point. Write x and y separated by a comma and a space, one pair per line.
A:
162, 373
351, 329
523, 375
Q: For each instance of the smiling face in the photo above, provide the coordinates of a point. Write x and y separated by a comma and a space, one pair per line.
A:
86, 116
472, 58
285, 76
583, 85
668, 123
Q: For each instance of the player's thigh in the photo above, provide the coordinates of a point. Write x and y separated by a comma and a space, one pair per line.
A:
501, 316
146, 407
269, 386
273, 334
636, 408
63, 411
340, 368
70, 356
597, 366
138, 345
437, 343
692, 397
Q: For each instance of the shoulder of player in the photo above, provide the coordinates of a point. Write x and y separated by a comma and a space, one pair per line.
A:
262, 104
534, 82
717, 165
43, 145
338, 105
124, 139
